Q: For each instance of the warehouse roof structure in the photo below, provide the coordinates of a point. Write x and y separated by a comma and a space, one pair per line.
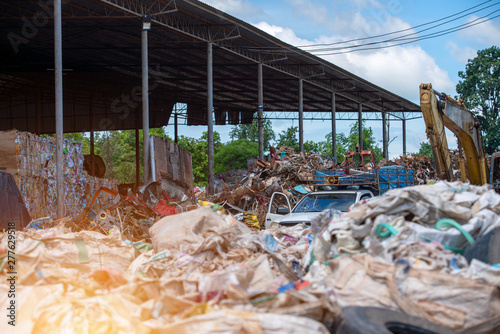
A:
99, 65
102, 68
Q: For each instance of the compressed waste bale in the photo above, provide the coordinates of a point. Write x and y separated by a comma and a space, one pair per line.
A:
31, 159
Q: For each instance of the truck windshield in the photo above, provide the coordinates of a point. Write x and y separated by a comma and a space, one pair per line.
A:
320, 202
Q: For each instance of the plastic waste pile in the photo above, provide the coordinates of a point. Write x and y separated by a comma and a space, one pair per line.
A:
420, 250
416, 250
205, 271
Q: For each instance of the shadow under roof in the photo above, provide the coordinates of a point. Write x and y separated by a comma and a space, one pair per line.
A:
102, 68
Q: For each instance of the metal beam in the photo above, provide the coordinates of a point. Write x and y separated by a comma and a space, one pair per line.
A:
137, 152
385, 139
404, 137
210, 107
301, 115
92, 153
176, 128
59, 108
260, 111
145, 105
334, 130
360, 126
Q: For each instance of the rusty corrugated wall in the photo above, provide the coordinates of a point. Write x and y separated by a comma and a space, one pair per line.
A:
173, 163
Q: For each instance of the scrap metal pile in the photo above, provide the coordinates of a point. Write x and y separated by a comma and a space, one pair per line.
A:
253, 192
287, 170
420, 251
423, 166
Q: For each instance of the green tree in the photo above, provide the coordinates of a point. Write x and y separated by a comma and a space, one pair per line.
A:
117, 148
234, 155
425, 149
318, 148
480, 89
289, 138
342, 143
199, 155
251, 132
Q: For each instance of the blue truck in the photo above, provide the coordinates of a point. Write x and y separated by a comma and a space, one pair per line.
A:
378, 180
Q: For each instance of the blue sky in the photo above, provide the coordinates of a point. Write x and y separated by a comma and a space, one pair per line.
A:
399, 69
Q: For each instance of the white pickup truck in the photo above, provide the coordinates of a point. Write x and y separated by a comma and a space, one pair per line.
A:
311, 205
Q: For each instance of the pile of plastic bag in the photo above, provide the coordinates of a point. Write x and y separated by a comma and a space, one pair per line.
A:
406, 250
208, 272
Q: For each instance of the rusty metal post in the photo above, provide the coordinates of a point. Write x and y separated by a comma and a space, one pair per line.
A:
360, 126
301, 115
385, 138
145, 103
334, 129
137, 152
260, 110
210, 107
404, 136
92, 153
59, 107
176, 129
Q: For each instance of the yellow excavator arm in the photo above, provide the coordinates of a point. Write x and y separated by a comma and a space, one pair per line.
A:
440, 111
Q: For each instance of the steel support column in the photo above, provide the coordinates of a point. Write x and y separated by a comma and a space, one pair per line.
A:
59, 107
301, 115
360, 126
210, 108
260, 111
385, 138
334, 130
137, 151
92, 139
176, 128
404, 136
145, 105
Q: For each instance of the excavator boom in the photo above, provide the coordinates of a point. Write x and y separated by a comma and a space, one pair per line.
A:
440, 111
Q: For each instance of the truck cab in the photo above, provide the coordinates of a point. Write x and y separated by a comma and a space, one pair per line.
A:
311, 205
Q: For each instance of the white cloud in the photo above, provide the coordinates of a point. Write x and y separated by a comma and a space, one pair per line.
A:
287, 35
238, 8
400, 69
462, 54
486, 34
354, 19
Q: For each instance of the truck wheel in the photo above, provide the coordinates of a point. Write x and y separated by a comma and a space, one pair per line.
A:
374, 320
